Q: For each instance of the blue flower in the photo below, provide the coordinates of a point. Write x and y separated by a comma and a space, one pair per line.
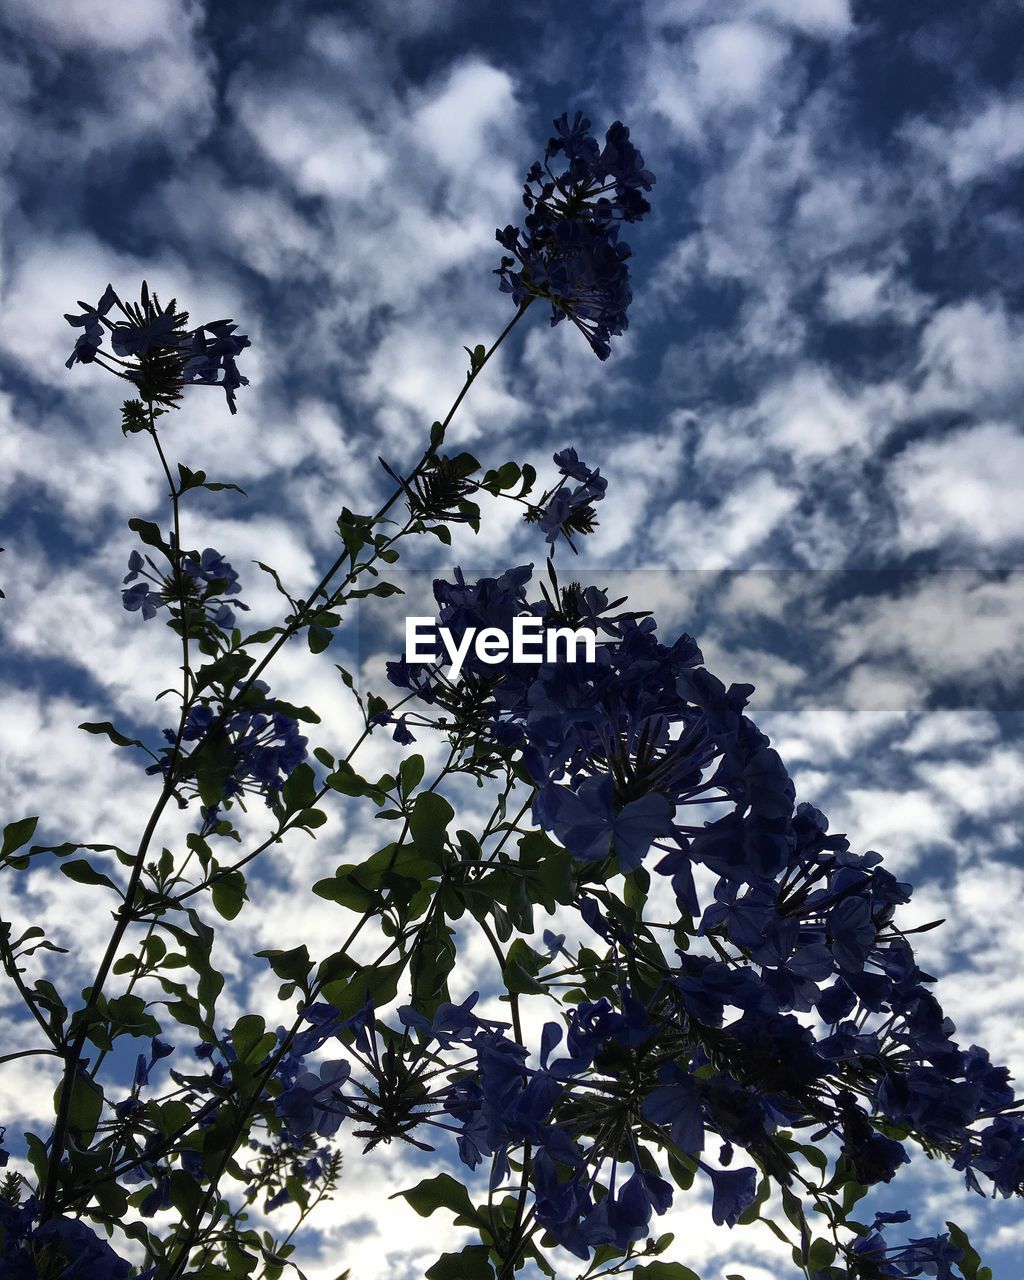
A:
675, 1102
210, 356
853, 933
734, 1192
589, 826
570, 252
255, 749
167, 355
1001, 1156
76, 1251
314, 1102
202, 579
89, 342
565, 512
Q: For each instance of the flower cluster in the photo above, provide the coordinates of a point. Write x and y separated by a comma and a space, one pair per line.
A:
931, 1256
201, 579
251, 749
60, 1247
566, 511
570, 252
167, 356
618, 749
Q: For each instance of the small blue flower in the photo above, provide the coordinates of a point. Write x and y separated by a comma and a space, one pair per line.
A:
734, 1192
90, 341
208, 357
314, 1102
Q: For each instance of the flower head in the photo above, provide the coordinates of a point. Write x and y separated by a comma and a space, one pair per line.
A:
570, 252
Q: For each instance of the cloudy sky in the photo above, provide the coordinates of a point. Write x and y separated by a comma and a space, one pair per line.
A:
811, 429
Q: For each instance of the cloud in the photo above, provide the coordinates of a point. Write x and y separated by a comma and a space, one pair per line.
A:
823, 18
970, 358
727, 534
733, 61
962, 490
868, 296
456, 124
100, 28
976, 143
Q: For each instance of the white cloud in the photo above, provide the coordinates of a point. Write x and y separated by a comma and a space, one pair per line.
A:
978, 143
734, 61
963, 489
317, 142
816, 17
971, 359
867, 296
823, 18
79, 24
693, 537
943, 627
455, 125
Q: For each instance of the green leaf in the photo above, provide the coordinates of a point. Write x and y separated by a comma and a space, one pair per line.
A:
410, 773
197, 480
309, 819
971, 1260
113, 734
318, 637
186, 1194
148, 532
189, 479
433, 959
349, 783
472, 1263
85, 1109
128, 1016
442, 1192
380, 983
428, 823
665, 1271
17, 833
293, 965
299, 791
38, 1156
250, 1038
852, 1192
343, 889
83, 872
228, 894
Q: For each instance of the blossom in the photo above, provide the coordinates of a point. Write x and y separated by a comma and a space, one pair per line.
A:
78, 1252
734, 1193
571, 511
202, 579
251, 749
166, 355
313, 1101
590, 827
570, 252
212, 353
89, 342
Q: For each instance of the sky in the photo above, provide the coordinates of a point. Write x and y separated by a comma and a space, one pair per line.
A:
811, 429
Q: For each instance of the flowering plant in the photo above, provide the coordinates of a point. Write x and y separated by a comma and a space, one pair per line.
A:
738, 1009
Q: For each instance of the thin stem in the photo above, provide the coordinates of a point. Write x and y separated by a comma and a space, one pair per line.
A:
320, 588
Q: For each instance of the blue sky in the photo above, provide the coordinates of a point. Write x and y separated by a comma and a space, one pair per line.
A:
811, 430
